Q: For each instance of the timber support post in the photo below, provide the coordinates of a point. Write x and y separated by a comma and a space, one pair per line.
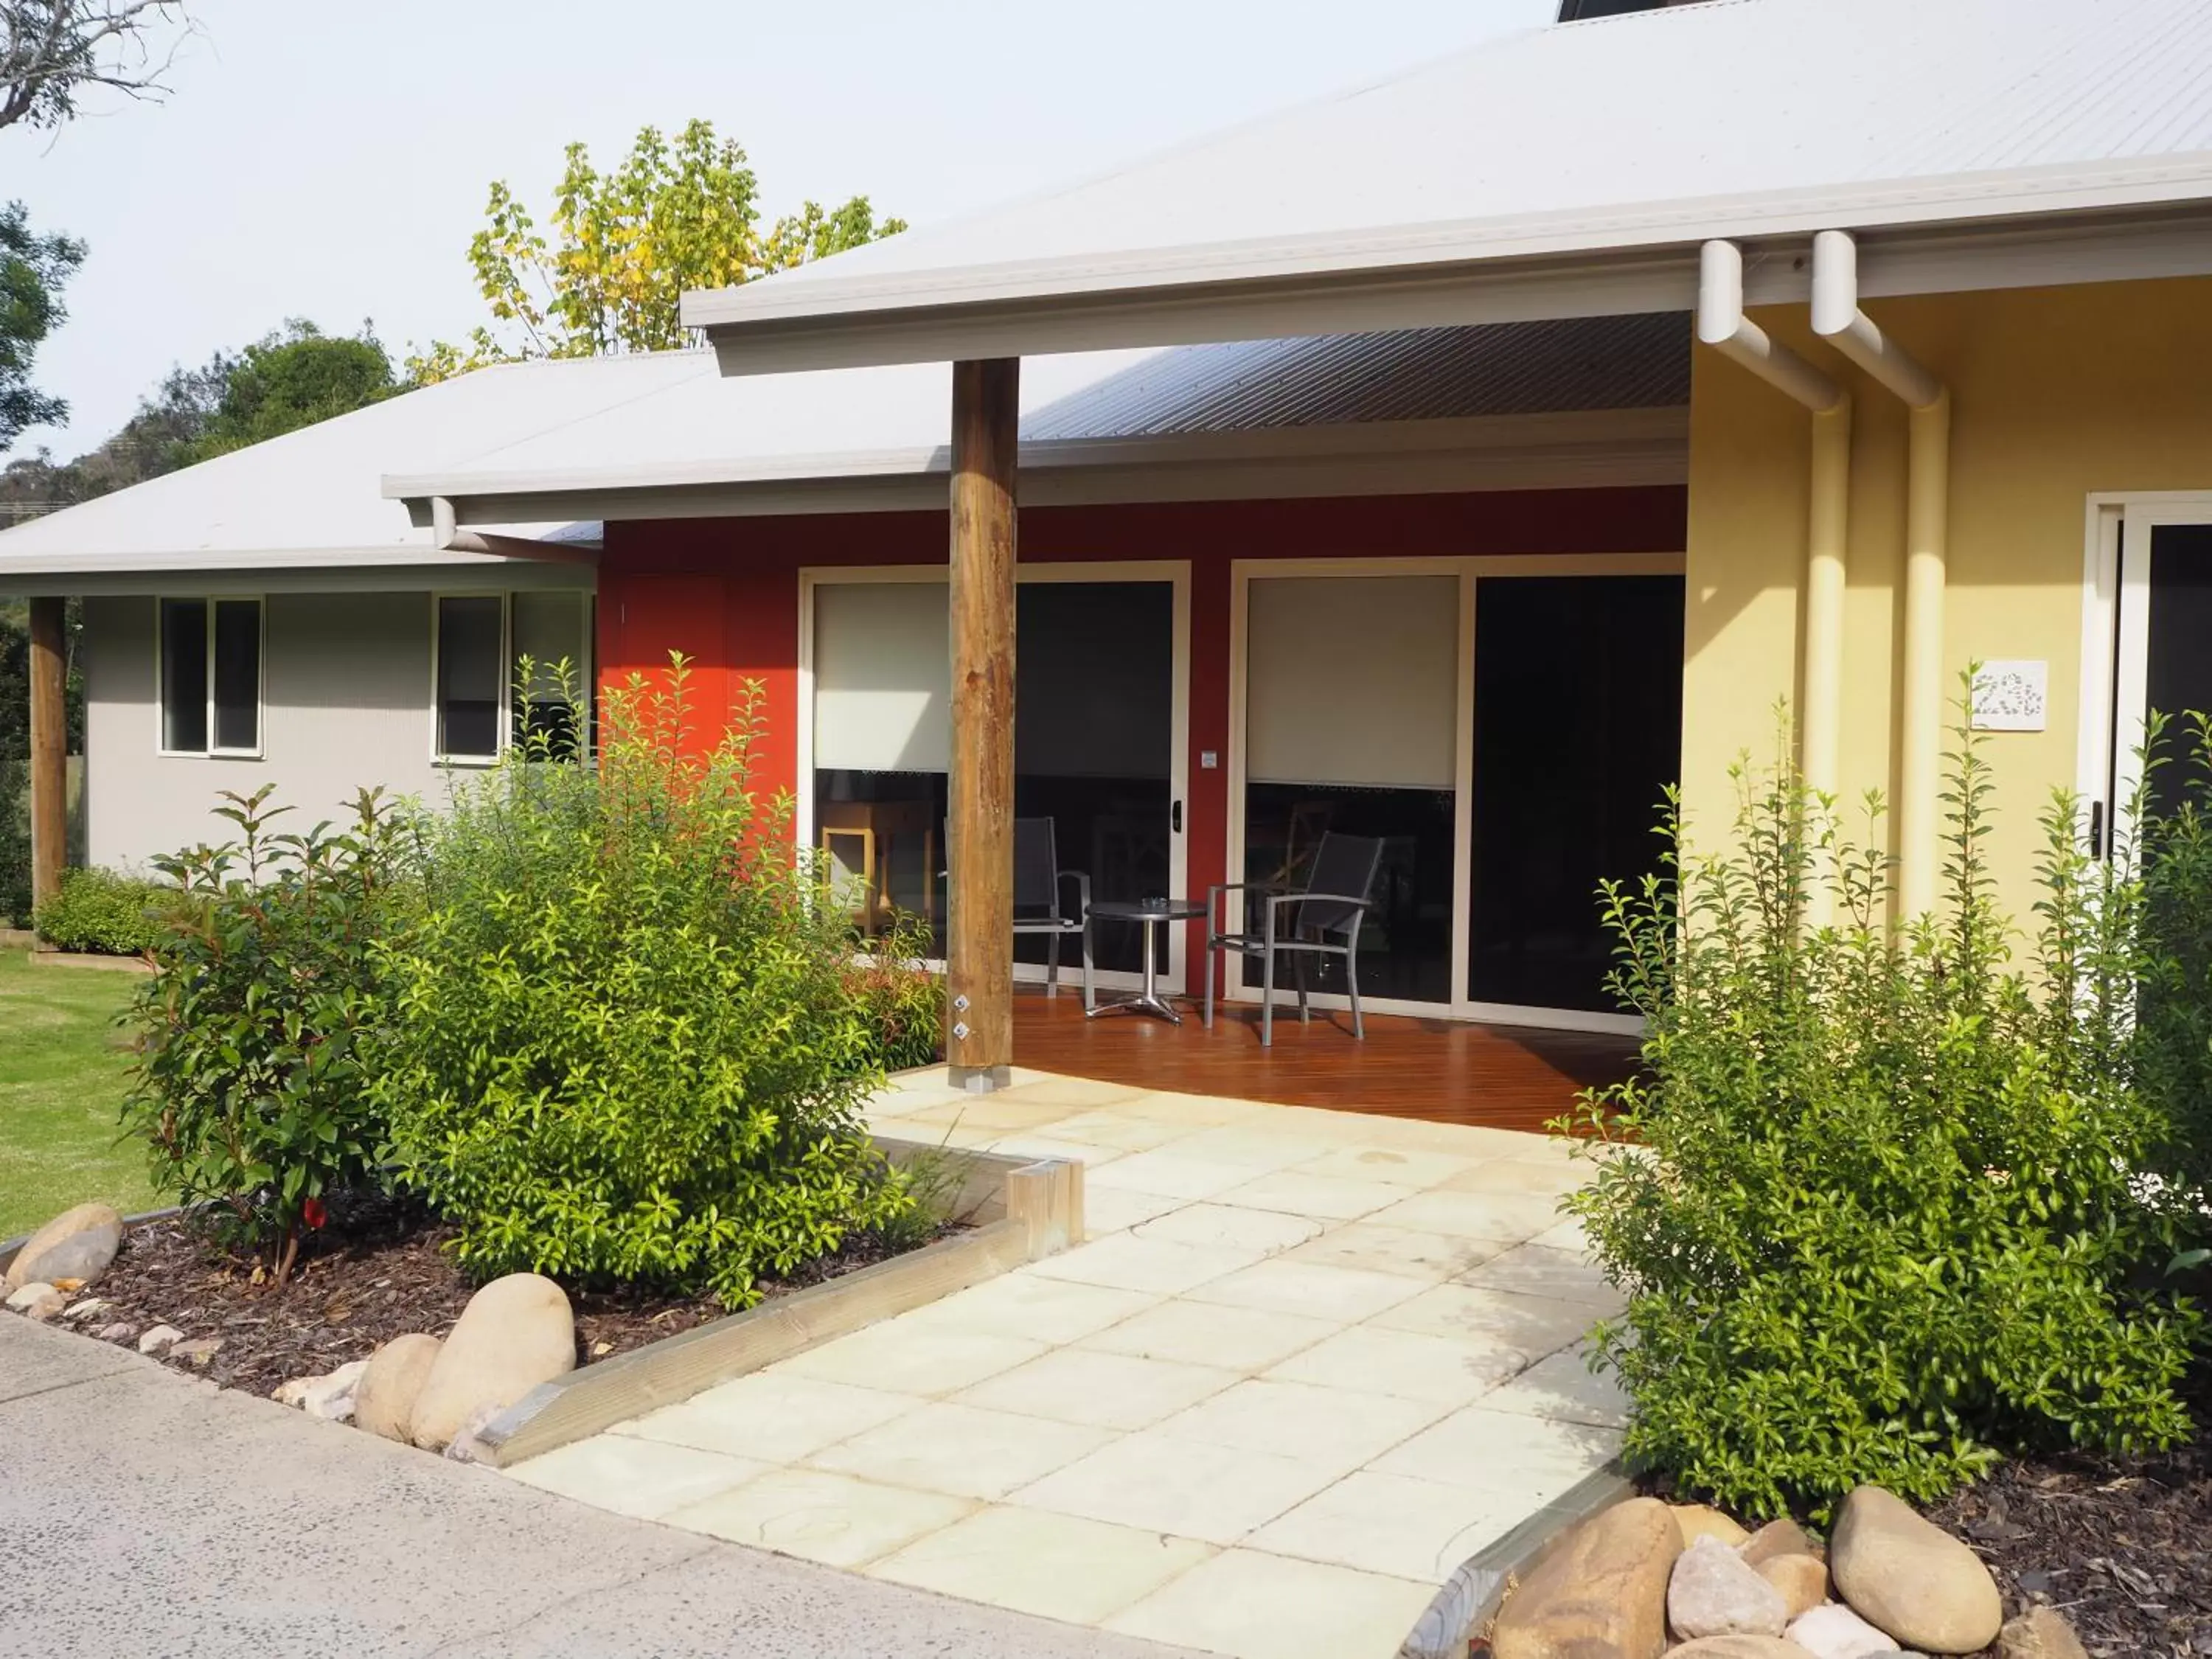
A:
980, 897
49, 750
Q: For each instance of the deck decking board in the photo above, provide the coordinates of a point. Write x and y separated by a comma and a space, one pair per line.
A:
1442, 1071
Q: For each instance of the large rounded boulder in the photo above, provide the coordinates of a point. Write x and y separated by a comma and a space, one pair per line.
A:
1601, 1591
1911, 1579
385, 1398
74, 1248
515, 1334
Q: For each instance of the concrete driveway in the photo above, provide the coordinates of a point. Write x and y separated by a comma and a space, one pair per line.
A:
148, 1513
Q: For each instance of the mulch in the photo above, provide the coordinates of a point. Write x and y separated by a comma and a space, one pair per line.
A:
379, 1270
2122, 1546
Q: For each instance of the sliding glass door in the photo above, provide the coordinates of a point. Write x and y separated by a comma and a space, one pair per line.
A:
1578, 715
1351, 688
1098, 689
1505, 728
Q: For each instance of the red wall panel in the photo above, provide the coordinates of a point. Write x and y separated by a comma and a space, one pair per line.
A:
725, 592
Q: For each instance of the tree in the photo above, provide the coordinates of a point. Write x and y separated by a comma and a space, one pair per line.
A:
626, 244
294, 377
33, 269
52, 49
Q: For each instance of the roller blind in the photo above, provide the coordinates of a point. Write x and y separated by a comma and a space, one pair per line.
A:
883, 677
1352, 681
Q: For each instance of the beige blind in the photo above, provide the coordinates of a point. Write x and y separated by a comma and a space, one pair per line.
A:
1352, 681
883, 677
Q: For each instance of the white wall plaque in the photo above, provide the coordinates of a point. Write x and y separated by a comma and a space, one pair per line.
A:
2011, 696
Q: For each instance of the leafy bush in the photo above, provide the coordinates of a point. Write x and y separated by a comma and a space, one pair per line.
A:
626, 1045
105, 911
2174, 1050
15, 843
1876, 1198
249, 1087
902, 1000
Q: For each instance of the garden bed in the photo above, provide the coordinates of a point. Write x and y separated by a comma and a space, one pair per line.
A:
380, 1270
2122, 1546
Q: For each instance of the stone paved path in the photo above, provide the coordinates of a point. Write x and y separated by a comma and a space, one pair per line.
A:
148, 1513
1308, 1363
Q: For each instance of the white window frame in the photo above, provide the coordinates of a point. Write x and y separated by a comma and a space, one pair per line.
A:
1470, 569
1174, 573
260, 678
585, 659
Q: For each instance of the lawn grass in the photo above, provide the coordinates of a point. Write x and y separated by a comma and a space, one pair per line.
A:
62, 1081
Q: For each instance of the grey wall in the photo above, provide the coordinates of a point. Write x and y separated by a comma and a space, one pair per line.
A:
346, 702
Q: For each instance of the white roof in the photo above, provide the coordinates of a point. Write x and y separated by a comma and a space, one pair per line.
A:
1737, 118
524, 449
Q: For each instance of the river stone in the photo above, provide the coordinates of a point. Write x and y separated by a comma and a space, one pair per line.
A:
1910, 1577
1702, 1521
1783, 1537
1738, 1647
77, 1244
160, 1339
37, 1300
515, 1334
1834, 1631
1712, 1593
2039, 1633
1802, 1581
387, 1391
1600, 1594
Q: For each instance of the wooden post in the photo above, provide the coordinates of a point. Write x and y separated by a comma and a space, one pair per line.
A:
980, 909
49, 751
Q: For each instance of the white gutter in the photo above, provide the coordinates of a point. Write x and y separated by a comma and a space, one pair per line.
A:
1722, 325
1837, 318
447, 536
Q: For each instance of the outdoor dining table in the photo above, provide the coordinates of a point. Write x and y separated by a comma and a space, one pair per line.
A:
1151, 916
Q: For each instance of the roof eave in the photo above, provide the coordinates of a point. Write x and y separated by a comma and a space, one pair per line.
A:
2028, 228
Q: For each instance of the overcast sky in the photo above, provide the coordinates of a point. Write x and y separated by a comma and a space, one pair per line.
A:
331, 160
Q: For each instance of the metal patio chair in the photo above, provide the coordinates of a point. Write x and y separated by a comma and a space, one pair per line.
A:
1039, 895
1320, 919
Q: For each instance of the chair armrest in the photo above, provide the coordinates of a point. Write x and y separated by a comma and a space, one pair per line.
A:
1082, 880
1323, 898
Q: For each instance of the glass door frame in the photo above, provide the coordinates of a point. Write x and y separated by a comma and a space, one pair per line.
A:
2116, 641
1175, 573
1469, 570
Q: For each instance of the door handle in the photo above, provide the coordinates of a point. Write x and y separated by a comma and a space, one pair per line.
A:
1174, 818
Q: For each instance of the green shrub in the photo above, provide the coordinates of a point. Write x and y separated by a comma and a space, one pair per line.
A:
2174, 1046
902, 1000
625, 1047
1875, 1200
14, 842
101, 911
249, 1087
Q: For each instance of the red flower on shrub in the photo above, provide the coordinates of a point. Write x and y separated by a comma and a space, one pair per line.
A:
313, 1213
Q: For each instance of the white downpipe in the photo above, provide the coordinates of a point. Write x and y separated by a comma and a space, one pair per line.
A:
1837, 318
1722, 325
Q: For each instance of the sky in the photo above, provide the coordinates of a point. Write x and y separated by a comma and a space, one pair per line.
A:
330, 161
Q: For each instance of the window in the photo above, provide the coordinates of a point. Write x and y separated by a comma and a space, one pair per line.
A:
210, 677
482, 705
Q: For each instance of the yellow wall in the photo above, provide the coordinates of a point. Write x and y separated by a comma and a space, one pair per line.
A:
2055, 393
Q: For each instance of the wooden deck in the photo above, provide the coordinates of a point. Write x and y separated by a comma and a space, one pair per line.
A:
1501, 1077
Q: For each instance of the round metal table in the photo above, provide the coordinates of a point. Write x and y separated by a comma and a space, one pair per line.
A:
1149, 914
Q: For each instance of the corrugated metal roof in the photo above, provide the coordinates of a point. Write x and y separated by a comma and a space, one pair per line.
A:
633, 422
1732, 118
1404, 374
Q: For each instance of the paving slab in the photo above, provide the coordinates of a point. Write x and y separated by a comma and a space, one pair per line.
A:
152, 1513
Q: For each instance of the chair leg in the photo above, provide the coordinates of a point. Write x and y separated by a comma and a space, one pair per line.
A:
1351, 983
1299, 967
1268, 1002
1211, 953
1052, 964
1090, 995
